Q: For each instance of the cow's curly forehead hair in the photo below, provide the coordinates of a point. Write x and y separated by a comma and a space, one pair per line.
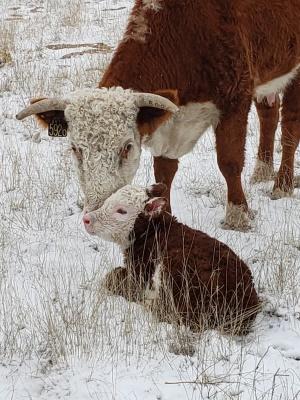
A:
93, 114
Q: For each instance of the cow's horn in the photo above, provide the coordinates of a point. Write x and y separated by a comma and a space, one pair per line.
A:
156, 101
42, 106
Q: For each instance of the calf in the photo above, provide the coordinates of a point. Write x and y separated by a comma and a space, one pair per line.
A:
181, 274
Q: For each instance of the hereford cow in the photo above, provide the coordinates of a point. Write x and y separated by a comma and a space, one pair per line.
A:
209, 59
180, 273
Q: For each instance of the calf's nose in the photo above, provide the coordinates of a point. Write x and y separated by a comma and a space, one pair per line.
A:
88, 221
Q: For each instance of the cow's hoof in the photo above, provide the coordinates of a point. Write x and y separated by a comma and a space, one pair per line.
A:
262, 172
297, 182
278, 193
237, 218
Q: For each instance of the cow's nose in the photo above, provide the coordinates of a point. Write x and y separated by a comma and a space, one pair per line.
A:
87, 219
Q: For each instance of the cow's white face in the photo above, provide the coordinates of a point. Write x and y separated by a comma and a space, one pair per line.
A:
104, 127
106, 144
115, 220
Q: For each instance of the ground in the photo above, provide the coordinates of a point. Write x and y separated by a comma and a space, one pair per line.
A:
61, 337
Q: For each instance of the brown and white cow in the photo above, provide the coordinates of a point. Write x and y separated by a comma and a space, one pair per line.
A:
208, 58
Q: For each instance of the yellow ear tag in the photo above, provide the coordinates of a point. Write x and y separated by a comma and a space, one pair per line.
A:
58, 128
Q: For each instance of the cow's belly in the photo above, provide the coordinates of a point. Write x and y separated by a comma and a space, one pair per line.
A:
180, 133
276, 85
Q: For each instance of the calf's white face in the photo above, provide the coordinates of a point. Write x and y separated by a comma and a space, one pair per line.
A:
115, 220
105, 141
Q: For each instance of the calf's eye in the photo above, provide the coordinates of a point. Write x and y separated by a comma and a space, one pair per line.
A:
121, 211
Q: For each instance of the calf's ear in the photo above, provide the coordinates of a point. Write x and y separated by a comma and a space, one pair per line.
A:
154, 207
150, 118
156, 190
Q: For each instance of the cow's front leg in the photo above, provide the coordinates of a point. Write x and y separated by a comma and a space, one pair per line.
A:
230, 139
164, 172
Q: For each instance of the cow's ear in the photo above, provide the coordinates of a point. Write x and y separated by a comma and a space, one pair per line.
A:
154, 207
45, 118
150, 118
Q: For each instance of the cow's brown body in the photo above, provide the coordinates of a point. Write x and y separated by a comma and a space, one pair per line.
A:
218, 51
186, 277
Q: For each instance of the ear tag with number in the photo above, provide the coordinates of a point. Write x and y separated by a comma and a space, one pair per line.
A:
58, 128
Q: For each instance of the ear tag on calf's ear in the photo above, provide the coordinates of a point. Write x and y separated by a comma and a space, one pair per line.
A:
57, 128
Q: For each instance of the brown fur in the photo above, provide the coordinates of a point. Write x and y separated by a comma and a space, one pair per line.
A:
218, 51
204, 283
268, 118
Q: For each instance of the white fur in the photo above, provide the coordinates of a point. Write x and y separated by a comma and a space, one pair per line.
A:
276, 85
106, 222
153, 288
138, 21
236, 218
181, 132
262, 172
152, 4
100, 122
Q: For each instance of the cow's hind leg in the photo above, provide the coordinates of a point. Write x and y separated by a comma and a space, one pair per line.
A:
230, 139
268, 118
284, 182
164, 172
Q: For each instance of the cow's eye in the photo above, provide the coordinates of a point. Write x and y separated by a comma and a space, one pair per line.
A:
126, 149
77, 152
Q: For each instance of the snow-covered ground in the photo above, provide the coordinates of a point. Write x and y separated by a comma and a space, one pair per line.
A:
60, 336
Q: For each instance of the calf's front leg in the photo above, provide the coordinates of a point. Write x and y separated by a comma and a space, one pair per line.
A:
120, 282
230, 140
126, 282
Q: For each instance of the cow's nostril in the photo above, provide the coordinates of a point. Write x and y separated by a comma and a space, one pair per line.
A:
86, 219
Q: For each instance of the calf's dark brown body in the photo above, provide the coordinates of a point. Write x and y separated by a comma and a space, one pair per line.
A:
192, 279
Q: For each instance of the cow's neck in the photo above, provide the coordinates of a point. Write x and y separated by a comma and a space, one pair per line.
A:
153, 55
